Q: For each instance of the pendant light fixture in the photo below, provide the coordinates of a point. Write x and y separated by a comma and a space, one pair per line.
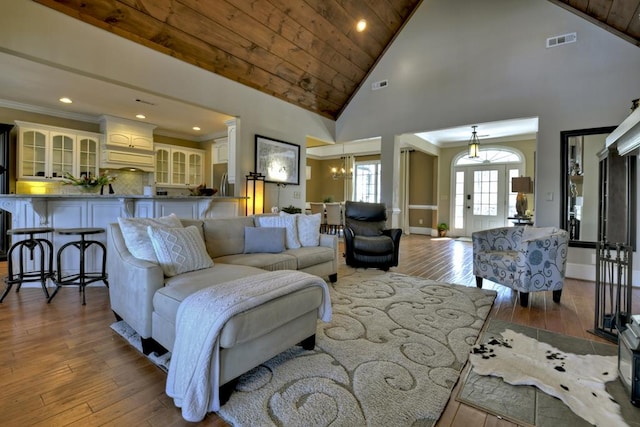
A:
474, 144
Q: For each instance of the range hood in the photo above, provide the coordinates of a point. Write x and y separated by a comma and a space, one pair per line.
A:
626, 137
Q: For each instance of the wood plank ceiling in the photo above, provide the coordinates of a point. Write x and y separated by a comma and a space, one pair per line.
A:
306, 52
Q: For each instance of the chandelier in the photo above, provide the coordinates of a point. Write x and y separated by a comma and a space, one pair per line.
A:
341, 173
474, 144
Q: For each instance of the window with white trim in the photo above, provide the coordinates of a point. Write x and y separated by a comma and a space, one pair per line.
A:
367, 181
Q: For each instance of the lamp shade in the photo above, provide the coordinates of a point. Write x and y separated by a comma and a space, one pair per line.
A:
521, 184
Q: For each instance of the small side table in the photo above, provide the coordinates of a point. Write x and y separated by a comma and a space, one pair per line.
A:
521, 220
82, 278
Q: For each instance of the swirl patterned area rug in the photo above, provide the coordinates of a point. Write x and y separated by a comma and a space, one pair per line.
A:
390, 356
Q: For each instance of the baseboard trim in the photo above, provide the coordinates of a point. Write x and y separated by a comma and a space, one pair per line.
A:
588, 272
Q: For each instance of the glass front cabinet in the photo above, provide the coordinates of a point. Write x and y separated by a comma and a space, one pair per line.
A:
179, 166
46, 152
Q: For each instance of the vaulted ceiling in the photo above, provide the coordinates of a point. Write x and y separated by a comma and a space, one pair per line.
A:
306, 52
621, 17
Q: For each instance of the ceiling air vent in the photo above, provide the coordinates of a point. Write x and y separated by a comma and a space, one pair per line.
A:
563, 39
380, 85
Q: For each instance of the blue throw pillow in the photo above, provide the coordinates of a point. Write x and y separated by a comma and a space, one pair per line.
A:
264, 240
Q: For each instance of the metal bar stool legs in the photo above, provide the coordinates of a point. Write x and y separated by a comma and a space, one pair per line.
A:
24, 248
82, 278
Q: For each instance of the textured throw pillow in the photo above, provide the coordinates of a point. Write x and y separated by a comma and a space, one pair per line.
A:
179, 250
286, 221
309, 229
264, 240
134, 232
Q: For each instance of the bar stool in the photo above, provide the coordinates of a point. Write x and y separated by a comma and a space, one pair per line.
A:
82, 278
44, 252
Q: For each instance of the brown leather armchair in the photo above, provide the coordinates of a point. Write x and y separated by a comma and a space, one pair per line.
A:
368, 243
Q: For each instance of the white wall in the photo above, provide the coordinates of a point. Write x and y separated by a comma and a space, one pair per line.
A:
36, 32
462, 62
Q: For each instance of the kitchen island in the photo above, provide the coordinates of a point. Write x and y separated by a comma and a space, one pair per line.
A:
93, 210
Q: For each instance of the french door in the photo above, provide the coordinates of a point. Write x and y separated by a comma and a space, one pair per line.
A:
482, 197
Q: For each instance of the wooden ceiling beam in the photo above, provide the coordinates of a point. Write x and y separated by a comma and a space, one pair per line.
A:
309, 71
303, 39
344, 17
121, 19
599, 9
323, 29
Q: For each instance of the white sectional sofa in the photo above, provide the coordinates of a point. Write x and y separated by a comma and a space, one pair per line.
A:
143, 296
148, 301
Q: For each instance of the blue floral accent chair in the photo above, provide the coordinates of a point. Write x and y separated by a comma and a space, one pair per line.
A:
527, 259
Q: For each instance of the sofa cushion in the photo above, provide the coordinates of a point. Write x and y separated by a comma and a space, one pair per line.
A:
134, 232
309, 229
225, 236
285, 221
264, 240
244, 326
373, 244
309, 256
179, 250
269, 262
167, 299
269, 316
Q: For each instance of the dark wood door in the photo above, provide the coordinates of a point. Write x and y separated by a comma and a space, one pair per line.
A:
5, 162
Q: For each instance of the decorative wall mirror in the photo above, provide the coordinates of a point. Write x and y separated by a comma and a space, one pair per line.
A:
583, 213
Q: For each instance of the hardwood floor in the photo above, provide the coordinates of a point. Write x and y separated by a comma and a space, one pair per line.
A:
62, 365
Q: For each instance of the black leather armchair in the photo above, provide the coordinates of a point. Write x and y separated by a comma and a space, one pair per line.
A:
367, 242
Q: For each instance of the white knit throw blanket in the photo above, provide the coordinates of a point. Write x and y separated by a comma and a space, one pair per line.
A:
193, 381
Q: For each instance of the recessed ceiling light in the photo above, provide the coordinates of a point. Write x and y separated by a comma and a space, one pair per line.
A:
195, 128
361, 25
141, 116
65, 100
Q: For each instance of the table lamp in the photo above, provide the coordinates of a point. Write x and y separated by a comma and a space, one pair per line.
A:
521, 186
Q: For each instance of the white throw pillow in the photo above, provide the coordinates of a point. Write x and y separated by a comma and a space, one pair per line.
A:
282, 221
134, 231
309, 229
179, 250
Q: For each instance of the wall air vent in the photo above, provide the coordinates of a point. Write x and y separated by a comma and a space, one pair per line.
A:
563, 39
380, 85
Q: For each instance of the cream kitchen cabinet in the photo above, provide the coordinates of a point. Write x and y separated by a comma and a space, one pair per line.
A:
47, 152
220, 150
127, 143
179, 166
130, 140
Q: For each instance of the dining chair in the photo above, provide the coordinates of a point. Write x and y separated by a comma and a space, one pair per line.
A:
319, 208
334, 218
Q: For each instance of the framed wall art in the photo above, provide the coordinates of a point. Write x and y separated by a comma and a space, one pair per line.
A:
278, 161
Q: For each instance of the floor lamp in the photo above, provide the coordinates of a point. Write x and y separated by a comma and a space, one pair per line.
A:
255, 193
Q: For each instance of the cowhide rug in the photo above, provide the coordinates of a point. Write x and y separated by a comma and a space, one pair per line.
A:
577, 380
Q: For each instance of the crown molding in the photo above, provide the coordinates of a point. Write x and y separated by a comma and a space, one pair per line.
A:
49, 111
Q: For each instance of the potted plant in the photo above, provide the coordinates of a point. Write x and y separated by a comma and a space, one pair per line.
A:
442, 229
